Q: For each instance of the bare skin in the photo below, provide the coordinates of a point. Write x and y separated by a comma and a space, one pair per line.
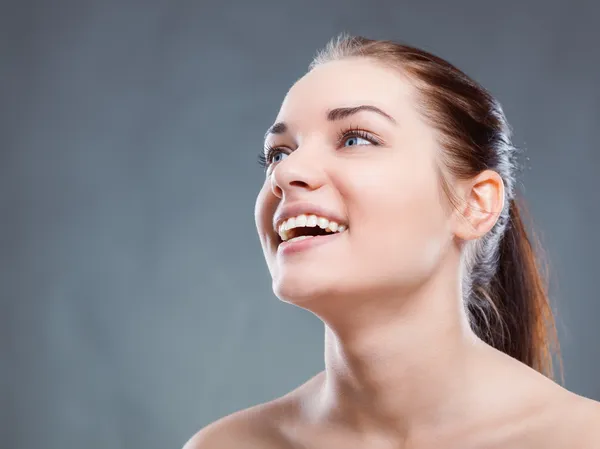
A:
403, 368
565, 421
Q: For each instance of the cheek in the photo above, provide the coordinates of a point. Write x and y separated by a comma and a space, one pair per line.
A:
264, 209
261, 207
398, 221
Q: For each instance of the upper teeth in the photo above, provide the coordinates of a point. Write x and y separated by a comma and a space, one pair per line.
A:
308, 221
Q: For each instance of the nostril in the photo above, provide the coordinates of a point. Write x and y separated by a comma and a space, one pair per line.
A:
275, 188
299, 184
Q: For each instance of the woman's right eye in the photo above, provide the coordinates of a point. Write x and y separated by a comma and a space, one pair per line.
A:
277, 156
271, 155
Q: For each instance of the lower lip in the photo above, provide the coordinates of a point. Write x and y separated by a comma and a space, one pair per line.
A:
286, 248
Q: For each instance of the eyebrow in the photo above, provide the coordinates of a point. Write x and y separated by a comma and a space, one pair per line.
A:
335, 115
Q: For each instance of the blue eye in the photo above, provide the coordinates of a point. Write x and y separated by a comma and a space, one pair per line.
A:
277, 156
356, 137
356, 140
352, 137
270, 155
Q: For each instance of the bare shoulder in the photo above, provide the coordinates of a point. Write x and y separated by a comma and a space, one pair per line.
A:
588, 412
261, 427
255, 427
575, 423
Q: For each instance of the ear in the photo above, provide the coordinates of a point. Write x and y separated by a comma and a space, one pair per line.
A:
482, 201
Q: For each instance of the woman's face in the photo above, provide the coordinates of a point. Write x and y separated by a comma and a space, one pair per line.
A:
380, 182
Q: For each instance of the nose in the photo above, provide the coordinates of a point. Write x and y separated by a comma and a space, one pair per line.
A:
298, 172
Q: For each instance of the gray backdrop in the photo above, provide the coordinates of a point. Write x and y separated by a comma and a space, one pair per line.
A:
136, 305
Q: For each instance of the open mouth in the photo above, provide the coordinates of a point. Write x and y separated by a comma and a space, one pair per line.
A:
303, 233
304, 227
307, 232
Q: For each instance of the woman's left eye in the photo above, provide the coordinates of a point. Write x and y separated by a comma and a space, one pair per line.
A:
355, 140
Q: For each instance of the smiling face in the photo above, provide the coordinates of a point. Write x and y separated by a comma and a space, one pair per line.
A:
372, 167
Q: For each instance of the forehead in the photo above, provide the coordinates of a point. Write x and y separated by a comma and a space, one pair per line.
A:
347, 83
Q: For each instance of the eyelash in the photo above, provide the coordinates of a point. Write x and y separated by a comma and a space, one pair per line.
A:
265, 157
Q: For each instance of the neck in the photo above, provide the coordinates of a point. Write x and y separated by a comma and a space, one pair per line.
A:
402, 364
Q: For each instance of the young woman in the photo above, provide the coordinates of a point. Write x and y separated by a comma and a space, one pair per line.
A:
389, 210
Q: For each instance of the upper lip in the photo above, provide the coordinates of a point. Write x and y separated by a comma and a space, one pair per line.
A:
293, 210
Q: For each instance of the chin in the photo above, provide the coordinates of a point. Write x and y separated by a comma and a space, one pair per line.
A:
302, 290
317, 290
313, 290
297, 293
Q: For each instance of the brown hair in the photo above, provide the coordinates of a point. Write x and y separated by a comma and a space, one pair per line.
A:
505, 294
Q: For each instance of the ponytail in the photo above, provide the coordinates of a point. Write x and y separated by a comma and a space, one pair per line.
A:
521, 323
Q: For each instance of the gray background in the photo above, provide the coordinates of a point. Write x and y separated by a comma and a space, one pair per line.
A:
136, 305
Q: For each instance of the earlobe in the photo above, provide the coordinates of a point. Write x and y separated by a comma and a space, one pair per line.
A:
481, 205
